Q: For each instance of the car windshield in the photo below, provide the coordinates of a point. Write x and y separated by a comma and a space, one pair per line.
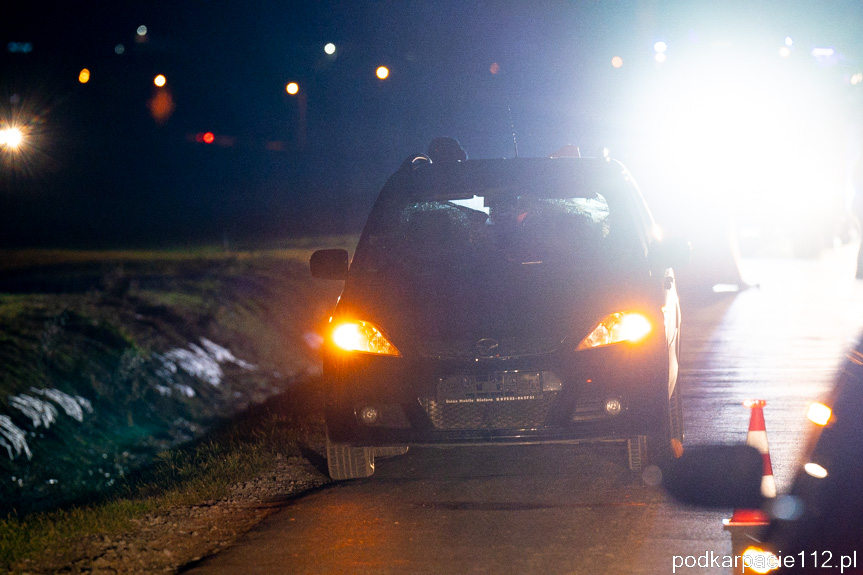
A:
460, 232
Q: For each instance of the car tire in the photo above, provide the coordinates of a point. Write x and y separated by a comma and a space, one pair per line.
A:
390, 451
645, 450
349, 462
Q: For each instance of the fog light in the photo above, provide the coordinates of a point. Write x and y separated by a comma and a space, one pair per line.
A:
612, 406
368, 415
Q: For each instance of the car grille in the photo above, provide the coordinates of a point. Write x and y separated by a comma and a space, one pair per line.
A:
490, 414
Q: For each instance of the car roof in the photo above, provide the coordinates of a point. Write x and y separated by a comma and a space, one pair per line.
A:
547, 177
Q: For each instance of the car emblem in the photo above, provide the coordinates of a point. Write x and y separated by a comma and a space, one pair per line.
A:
486, 346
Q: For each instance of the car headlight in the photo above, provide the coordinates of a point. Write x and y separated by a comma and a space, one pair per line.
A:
616, 328
362, 336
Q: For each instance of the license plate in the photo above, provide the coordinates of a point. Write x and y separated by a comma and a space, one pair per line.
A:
495, 387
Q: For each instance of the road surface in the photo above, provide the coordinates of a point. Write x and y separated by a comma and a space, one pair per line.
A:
576, 508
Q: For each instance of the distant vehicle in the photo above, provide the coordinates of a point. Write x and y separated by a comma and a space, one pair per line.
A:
816, 526
515, 300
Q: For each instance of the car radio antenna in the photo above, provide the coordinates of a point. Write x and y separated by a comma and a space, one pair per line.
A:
512, 129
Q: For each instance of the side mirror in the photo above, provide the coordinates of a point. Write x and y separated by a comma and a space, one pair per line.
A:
726, 476
329, 264
671, 253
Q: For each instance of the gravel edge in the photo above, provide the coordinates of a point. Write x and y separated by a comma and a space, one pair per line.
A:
180, 536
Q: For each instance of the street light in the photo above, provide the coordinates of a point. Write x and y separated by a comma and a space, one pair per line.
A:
11, 138
292, 88
382, 72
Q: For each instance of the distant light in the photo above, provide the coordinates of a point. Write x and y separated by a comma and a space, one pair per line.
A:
758, 560
382, 72
11, 138
330, 48
660, 47
159, 80
819, 413
857, 79
788, 41
292, 88
84, 76
823, 52
815, 470
119, 49
787, 507
660, 57
616, 62
21, 47
142, 30
494, 68
208, 137
784, 51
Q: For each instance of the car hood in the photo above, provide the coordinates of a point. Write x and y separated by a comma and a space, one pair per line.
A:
501, 311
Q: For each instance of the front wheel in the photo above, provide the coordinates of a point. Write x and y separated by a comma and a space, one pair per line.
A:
349, 462
644, 450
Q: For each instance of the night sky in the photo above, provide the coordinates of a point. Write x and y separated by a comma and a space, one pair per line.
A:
101, 168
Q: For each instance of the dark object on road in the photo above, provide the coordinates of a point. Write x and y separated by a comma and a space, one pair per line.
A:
815, 527
716, 476
522, 300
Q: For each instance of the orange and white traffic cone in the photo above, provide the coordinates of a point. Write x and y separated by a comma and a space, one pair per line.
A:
745, 523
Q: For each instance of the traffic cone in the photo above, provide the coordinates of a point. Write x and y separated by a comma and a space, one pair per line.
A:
745, 524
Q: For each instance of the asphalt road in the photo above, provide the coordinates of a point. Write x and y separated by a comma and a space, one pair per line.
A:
576, 508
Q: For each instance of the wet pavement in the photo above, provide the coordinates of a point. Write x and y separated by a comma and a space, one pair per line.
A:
577, 508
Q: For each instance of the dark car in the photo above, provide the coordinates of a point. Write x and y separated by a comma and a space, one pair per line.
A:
814, 528
509, 300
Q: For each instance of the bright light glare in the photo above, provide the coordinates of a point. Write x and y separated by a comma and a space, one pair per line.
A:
788, 41
660, 57
362, 336
857, 79
616, 62
382, 72
819, 413
729, 126
330, 48
760, 561
823, 52
784, 51
11, 138
159, 80
84, 76
815, 470
292, 88
660, 47
142, 30
616, 328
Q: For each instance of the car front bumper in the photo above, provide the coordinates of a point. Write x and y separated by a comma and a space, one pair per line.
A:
614, 392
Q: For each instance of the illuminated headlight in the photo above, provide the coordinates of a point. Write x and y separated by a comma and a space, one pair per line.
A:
616, 328
819, 413
362, 336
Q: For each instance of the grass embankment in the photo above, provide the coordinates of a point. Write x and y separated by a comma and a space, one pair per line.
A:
113, 330
205, 470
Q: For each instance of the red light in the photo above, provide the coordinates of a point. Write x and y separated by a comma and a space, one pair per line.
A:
208, 138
